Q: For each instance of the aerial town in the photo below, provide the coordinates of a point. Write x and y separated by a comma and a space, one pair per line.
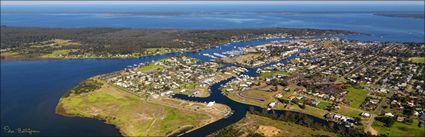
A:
212, 68
341, 81
259, 55
333, 79
173, 75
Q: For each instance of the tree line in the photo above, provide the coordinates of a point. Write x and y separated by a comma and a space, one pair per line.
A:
131, 40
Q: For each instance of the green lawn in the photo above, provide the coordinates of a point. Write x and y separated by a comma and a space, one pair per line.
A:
348, 111
356, 96
400, 129
269, 74
149, 67
131, 114
417, 59
268, 96
57, 54
323, 104
157, 50
287, 94
189, 86
175, 119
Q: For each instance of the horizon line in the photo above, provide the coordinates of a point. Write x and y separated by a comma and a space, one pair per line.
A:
105, 2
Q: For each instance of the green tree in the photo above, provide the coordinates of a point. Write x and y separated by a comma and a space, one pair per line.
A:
228, 132
252, 134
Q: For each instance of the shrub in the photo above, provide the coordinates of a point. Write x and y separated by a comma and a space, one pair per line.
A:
388, 121
84, 87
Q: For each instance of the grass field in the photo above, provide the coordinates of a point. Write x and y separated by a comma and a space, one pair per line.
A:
149, 67
190, 87
270, 127
356, 96
417, 59
269, 74
163, 50
400, 129
243, 59
56, 54
246, 57
132, 115
260, 94
323, 104
317, 112
54, 43
348, 111
10, 55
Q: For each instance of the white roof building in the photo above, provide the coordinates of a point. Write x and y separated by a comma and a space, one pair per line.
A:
389, 114
211, 103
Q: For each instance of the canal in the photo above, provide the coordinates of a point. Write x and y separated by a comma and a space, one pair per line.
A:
239, 110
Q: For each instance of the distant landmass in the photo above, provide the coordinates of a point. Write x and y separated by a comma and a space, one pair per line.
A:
405, 15
34, 42
409, 14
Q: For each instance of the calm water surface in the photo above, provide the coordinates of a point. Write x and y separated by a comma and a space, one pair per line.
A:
358, 18
30, 91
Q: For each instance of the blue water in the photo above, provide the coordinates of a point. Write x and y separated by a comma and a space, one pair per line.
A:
30, 91
358, 18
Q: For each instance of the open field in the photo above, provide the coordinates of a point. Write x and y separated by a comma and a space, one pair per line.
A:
356, 96
269, 127
190, 87
137, 117
323, 105
56, 54
417, 59
269, 74
317, 112
269, 97
400, 129
150, 67
243, 59
11, 55
258, 96
348, 111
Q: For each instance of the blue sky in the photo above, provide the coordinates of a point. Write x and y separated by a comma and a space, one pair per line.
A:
21, 2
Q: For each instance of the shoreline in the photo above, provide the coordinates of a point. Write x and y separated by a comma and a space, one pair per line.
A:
59, 111
119, 115
132, 42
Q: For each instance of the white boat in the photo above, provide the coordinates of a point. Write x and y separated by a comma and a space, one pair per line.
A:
219, 55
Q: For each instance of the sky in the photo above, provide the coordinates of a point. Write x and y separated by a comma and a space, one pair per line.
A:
34, 2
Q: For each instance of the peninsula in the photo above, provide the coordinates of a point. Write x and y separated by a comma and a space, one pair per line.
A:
77, 43
329, 79
138, 100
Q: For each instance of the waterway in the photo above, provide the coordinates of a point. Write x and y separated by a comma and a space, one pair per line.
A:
352, 17
30, 91
239, 109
